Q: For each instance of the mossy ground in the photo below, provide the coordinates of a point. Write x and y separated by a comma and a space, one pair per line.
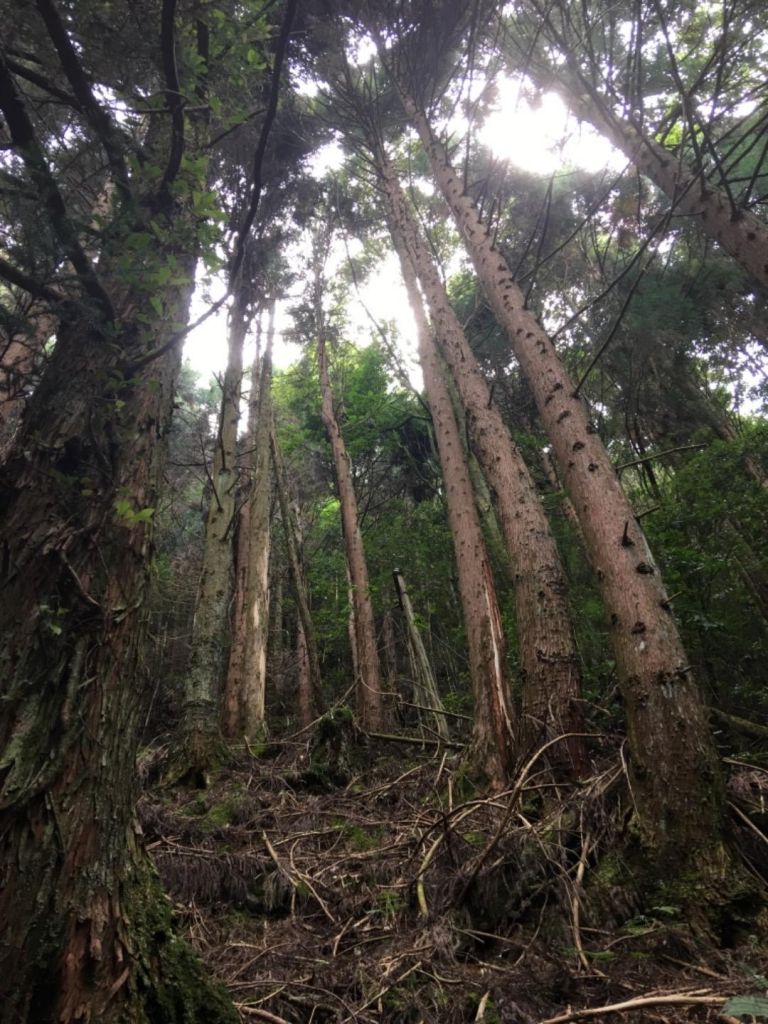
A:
399, 893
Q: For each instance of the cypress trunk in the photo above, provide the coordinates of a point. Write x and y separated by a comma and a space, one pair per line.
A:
675, 772
492, 736
547, 649
199, 744
233, 682
293, 543
256, 610
303, 679
369, 695
424, 677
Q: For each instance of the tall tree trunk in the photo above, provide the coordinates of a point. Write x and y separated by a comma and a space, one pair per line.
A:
253, 694
493, 737
85, 933
304, 695
547, 649
675, 772
233, 682
199, 745
293, 544
423, 666
369, 696
389, 646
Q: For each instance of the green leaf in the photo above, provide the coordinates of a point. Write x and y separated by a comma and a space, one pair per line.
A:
157, 304
750, 1006
123, 508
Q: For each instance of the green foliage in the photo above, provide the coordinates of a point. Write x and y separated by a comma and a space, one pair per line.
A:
709, 536
755, 1007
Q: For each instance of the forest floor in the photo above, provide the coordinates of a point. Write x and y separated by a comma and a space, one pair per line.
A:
392, 891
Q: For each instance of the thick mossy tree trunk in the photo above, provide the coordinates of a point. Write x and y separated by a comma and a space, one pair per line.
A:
492, 734
674, 767
369, 695
549, 663
198, 746
85, 932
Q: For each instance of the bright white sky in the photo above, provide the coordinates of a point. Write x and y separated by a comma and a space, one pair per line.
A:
538, 139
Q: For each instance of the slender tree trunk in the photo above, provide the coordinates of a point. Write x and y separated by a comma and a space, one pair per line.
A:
423, 666
233, 683
389, 646
547, 648
293, 544
303, 679
369, 696
352, 635
256, 610
550, 472
493, 737
674, 766
199, 745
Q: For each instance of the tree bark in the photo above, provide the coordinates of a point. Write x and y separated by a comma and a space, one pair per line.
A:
493, 738
233, 682
293, 544
549, 664
85, 933
199, 744
369, 695
304, 696
389, 645
675, 773
253, 693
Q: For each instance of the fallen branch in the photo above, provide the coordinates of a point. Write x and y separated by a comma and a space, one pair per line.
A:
674, 999
392, 738
255, 1011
